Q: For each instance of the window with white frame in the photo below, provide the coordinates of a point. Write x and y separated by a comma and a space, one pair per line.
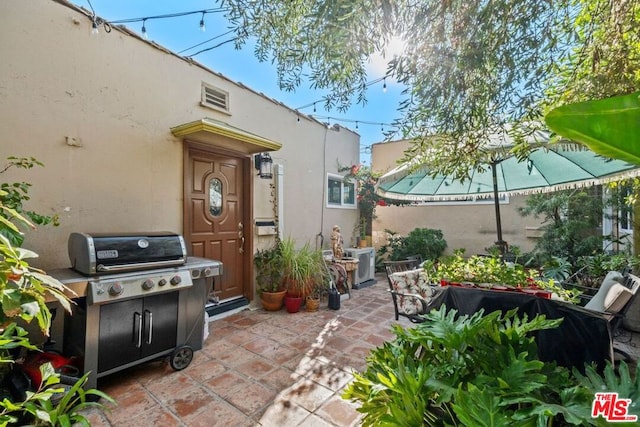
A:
340, 193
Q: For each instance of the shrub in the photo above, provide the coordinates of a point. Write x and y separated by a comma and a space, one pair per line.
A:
426, 242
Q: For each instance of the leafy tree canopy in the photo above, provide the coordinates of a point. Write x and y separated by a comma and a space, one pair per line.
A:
470, 68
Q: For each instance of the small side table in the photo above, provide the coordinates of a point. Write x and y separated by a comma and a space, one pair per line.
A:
350, 265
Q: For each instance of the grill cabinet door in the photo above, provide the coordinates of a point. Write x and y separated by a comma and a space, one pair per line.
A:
160, 323
117, 342
134, 329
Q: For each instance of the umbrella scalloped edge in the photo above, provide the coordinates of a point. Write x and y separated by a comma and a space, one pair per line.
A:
524, 192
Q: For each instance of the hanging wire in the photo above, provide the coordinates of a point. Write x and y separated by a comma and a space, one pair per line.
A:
213, 47
325, 98
206, 41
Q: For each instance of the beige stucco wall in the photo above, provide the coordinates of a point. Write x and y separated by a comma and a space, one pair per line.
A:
472, 227
117, 96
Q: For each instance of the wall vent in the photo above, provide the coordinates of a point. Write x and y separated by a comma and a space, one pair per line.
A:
213, 97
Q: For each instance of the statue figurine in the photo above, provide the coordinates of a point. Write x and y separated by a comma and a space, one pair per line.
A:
336, 242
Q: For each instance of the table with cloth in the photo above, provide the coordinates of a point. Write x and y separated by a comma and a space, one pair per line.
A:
582, 337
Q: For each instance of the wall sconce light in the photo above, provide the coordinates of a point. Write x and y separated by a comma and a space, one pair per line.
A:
263, 164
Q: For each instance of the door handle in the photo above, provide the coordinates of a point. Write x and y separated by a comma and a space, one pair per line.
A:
241, 236
149, 316
137, 322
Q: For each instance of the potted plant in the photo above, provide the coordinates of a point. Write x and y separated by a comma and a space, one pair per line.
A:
320, 285
269, 277
362, 243
300, 268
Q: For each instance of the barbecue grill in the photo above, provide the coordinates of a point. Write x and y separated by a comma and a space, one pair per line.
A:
143, 299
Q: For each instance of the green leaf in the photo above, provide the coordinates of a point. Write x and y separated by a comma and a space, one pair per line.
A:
475, 407
609, 127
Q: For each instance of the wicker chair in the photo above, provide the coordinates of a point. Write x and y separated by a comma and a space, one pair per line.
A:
409, 289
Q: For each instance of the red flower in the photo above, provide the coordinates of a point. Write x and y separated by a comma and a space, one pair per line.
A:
355, 169
381, 202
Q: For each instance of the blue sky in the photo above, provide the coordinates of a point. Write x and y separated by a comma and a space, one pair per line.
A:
180, 33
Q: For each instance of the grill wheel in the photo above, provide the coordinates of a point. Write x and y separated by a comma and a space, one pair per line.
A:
181, 357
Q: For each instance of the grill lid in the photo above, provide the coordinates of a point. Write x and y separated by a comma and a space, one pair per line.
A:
114, 253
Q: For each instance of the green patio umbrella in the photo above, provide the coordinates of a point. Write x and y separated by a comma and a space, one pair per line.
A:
548, 168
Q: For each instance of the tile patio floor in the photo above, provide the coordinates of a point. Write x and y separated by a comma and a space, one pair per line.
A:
260, 368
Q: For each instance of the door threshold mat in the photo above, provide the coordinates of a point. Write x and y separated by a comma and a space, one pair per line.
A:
222, 307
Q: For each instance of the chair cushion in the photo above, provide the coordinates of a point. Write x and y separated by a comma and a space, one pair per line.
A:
411, 282
616, 298
597, 302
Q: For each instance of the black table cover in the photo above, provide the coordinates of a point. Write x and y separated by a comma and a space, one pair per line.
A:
582, 337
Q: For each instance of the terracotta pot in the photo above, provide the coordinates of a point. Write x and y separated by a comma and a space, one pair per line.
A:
312, 304
272, 301
292, 304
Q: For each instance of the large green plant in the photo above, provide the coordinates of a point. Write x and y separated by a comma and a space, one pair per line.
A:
12, 198
475, 371
609, 127
23, 293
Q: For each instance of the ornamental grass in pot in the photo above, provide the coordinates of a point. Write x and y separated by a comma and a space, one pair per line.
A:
302, 268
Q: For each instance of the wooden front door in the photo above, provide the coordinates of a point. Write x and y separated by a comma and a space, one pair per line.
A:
214, 216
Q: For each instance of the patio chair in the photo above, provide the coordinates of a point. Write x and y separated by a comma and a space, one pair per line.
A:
409, 288
612, 302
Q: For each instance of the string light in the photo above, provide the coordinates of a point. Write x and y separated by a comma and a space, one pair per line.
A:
144, 30
357, 122
107, 24
94, 27
96, 22
202, 26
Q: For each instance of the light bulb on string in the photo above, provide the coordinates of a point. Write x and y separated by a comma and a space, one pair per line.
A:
202, 26
356, 124
314, 107
384, 84
144, 30
382, 127
94, 27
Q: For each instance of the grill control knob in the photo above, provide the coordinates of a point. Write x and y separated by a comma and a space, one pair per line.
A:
162, 282
115, 289
176, 280
148, 284
207, 272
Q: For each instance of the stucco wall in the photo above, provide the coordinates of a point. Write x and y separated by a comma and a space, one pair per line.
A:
472, 227
118, 96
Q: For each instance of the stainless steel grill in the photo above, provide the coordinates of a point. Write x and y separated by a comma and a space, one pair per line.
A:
144, 299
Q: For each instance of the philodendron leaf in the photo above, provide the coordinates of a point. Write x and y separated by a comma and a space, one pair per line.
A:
609, 127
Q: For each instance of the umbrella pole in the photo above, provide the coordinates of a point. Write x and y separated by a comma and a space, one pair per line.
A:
502, 245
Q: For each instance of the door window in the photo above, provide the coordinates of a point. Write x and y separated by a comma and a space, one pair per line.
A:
215, 197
